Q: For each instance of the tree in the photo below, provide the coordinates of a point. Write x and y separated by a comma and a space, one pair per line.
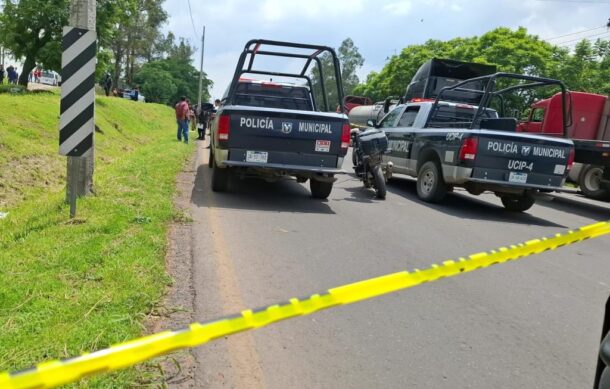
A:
511, 51
157, 84
31, 29
350, 61
176, 67
136, 29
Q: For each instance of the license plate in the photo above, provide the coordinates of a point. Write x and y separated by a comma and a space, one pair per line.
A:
518, 178
323, 146
256, 156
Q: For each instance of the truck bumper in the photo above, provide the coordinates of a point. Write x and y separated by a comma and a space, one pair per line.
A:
499, 186
456, 175
289, 169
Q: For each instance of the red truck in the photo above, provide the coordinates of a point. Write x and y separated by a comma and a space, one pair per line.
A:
590, 132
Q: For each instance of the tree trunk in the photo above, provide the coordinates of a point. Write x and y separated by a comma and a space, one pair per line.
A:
28, 65
118, 54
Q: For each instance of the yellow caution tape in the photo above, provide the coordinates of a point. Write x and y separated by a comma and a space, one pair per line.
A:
53, 373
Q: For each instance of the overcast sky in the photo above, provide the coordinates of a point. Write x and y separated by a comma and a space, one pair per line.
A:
379, 28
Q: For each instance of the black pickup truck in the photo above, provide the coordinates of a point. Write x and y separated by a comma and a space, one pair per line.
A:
273, 129
449, 143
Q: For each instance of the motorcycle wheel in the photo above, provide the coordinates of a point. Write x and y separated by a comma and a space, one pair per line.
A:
355, 157
380, 186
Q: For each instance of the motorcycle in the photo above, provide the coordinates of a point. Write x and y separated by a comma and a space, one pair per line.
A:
369, 147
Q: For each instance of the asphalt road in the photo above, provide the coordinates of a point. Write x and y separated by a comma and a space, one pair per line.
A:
534, 323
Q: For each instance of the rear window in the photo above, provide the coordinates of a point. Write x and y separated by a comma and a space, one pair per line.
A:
273, 96
456, 116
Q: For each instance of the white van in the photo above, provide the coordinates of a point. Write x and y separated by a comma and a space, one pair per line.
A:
50, 77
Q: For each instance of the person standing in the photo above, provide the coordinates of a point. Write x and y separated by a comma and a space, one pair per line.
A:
1, 74
135, 94
107, 83
11, 75
192, 118
182, 111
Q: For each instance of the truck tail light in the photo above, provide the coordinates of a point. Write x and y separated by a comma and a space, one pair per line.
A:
571, 159
468, 151
345, 136
224, 127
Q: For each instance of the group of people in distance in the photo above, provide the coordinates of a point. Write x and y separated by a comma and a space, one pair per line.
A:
10, 73
197, 117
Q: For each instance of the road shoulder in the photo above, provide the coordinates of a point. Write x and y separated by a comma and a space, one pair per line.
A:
177, 370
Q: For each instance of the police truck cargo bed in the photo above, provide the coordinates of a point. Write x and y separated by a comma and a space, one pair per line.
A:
275, 129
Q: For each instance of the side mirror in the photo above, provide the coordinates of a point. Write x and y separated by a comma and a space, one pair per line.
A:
371, 123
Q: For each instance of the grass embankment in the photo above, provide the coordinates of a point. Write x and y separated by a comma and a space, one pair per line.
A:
69, 287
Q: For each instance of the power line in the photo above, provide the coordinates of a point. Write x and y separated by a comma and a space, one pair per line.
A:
592, 40
581, 38
192, 21
573, 33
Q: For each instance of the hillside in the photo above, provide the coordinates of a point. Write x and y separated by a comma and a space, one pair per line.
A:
73, 286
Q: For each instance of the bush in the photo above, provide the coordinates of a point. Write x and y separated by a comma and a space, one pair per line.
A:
8, 88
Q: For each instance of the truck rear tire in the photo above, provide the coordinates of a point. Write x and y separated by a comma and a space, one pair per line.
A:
516, 203
220, 179
590, 184
431, 186
320, 189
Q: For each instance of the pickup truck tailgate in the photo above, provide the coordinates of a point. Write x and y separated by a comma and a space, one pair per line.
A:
284, 137
522, 160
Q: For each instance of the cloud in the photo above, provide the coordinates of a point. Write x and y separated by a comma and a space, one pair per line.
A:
398, 8
378, 27
280, 10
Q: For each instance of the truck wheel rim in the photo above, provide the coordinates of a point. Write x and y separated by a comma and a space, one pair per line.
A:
592, 179
427, 181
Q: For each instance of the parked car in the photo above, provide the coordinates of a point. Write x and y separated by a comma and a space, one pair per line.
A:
50, 77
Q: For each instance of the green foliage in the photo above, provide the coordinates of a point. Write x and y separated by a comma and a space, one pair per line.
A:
157, 84
350, 61
31, 29
512, 51
169, 79
72, 286
8, 88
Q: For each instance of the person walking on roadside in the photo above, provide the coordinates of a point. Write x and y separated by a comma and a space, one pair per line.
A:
182, 111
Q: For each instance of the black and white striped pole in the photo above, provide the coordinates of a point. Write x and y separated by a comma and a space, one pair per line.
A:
77, 107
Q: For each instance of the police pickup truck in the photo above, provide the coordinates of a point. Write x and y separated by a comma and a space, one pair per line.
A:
446, 144
271, 129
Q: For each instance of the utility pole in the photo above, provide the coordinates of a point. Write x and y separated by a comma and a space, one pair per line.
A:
201, 71
80, 168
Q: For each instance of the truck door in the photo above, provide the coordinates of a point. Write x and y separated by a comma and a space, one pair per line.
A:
401, 138
535, 122
388, 124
